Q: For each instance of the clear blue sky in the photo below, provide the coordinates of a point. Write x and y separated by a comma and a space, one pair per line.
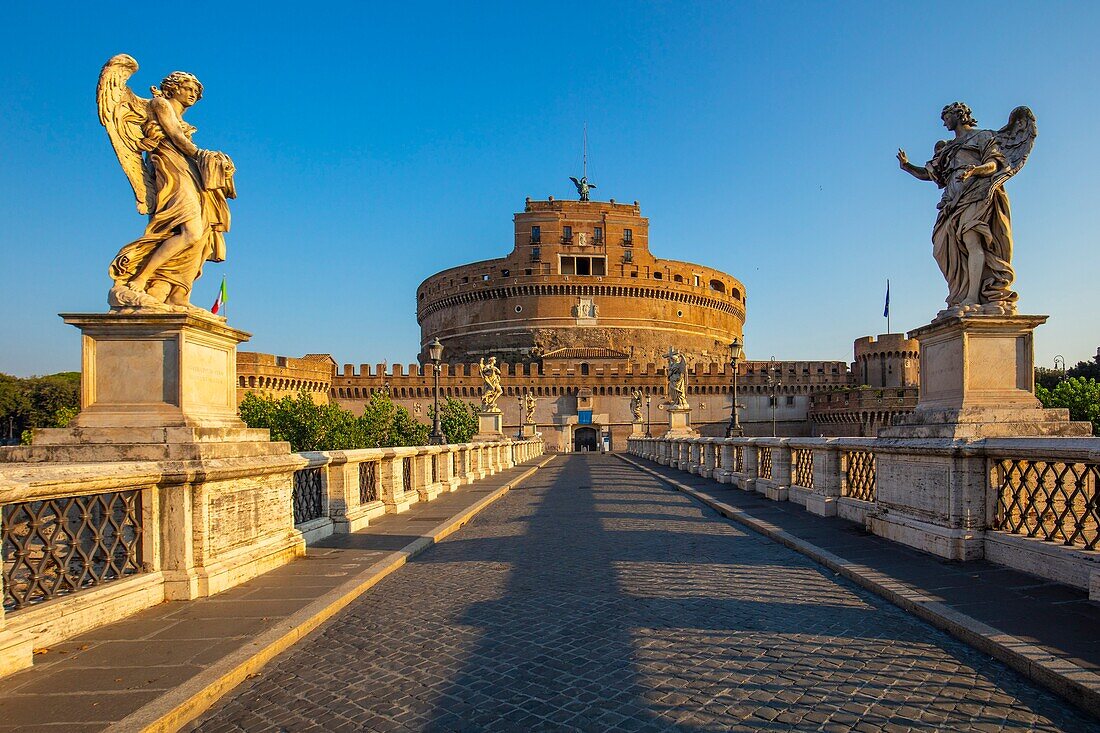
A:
378, 143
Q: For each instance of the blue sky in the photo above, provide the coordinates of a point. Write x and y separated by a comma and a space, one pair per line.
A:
379, 143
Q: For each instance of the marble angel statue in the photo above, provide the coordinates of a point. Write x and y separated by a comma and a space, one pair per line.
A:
182, 188
490, 373
972, 237
636, 404
529, 404
677, 380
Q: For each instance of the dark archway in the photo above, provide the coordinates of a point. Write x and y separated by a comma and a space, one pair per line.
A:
584, 439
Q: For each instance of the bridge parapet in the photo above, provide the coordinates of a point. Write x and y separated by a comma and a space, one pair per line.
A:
1032, 504
86, 544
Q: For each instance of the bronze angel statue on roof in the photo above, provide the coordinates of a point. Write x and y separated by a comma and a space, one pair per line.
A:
182, 188
972, 237
583, 186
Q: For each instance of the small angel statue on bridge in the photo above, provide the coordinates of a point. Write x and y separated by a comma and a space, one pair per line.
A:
490, 373
636, 404
972, 237
529, 404
182, 188
677, 380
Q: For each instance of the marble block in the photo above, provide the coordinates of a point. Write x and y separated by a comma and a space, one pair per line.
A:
679, 423
490, 427
977, 381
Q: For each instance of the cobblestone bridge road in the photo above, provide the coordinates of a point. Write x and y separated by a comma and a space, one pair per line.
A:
594, 598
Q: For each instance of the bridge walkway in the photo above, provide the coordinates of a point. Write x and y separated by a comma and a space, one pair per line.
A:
594, 597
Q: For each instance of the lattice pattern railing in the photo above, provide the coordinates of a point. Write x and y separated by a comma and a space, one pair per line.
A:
764, 462
55, 547
1052, 500
456, 464
717, 452
802, 467
435, 468
407, 474
859, 474
308, 496
368, 482
739, 458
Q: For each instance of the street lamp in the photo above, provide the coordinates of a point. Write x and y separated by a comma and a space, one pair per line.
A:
1058, 358
435, 353
648, 399
734, 429
774, 381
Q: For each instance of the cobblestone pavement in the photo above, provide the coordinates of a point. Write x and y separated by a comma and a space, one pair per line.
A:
595, 598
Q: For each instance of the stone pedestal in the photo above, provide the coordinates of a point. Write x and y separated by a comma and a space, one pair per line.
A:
977, 381
637, 429
154, 386
679, 423
528, 430
490, 427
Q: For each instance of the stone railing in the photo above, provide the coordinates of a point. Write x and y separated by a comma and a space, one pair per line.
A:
1028, 503
85, 544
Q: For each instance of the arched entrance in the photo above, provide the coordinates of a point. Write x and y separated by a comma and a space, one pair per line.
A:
585, 439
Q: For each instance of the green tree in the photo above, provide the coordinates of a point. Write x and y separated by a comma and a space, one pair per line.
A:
37, 402
1080, 396
1048, 378
457, 420
308, 426
1086, 370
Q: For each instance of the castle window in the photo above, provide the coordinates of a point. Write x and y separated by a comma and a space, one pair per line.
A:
536, 235
597, 235
790, 400
527, 272
505, 272
628, 237
718, 286
677, 278
485, 278
584, 369
736, 294
567, 234
536, 254
657, 276
696, 281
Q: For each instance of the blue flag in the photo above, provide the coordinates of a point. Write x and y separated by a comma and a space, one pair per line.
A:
886, 310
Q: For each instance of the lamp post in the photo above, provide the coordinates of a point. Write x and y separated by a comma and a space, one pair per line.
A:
435, 353
1058, 358
648, 399
774, 381
734, 429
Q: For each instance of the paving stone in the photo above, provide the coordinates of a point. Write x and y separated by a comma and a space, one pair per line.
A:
598, 599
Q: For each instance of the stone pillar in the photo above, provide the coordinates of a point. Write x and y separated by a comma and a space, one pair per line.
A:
827, 476
637, 429
679, 423
748, 459
154, 386
724, 475
490, 427
977, 381
529, 430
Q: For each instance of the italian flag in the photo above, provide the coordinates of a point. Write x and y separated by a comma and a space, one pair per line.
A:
223, 298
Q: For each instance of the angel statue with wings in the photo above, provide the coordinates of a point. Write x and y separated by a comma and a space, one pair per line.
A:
636, 404
583, 186
677, 379
490, 373
972, 237
529, 404
183, 189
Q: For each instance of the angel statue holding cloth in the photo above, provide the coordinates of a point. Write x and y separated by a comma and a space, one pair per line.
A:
183, 189
972, 237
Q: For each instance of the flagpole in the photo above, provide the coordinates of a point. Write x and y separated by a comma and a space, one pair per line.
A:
888, 306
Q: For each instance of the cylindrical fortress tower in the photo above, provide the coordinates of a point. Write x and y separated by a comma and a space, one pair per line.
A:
891, 360
580, 276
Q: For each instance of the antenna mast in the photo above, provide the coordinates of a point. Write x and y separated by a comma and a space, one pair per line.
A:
584, 156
